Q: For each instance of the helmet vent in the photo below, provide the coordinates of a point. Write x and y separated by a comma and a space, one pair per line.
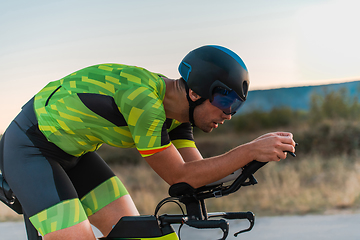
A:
245, 88
185, 70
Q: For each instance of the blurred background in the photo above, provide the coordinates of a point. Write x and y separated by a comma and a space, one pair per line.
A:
303, 59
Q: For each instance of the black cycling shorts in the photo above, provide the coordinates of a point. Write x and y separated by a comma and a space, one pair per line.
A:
42, 175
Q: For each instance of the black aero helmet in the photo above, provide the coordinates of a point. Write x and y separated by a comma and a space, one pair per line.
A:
210, 69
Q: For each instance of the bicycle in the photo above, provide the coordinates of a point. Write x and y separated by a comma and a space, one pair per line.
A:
160, 227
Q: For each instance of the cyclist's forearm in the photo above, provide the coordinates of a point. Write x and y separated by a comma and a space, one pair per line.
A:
201, 172
270, 147
170, 165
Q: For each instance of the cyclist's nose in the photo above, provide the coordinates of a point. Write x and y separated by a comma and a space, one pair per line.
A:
226, 116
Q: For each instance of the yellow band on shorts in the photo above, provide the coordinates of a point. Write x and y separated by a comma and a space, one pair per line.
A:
102, 195
71, 212
60, 216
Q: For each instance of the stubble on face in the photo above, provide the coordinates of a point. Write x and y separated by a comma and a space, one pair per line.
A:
204, 115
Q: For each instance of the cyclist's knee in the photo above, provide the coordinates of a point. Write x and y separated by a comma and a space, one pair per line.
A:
109, 215
80, 231
107, 203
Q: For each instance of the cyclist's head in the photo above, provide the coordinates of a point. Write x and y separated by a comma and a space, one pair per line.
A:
218, 74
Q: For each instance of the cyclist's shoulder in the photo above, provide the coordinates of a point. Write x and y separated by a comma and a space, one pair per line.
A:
141, 77
140, 88
124, 70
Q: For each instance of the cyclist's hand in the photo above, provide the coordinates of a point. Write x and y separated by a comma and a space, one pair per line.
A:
273, 146
285, 134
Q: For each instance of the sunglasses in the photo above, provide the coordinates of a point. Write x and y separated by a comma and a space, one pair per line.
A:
226, 100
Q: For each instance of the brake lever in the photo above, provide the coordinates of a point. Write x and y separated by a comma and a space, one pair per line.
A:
251, 218
222, 224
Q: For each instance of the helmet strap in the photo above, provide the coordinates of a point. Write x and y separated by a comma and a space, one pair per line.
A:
192, 105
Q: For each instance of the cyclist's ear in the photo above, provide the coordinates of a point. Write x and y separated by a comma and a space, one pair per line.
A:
194, 96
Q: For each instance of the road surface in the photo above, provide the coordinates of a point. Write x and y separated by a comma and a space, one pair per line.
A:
319, 227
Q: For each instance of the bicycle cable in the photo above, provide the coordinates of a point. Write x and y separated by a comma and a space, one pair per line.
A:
167, 200
182, 224
173, 200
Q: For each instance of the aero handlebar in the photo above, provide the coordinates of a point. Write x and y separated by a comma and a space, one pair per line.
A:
194, 200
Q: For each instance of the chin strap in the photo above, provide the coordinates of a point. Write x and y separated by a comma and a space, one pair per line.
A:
192, 105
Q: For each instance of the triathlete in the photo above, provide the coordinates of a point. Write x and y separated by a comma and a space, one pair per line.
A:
48, 152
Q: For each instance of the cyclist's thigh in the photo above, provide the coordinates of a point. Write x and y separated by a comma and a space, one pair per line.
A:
102, 194
37, 182
95, 183
40, 183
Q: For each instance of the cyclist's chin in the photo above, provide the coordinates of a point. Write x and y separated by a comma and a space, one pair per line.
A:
205, 129
205, 126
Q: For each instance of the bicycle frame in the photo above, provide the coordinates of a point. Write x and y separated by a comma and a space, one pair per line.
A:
160, 227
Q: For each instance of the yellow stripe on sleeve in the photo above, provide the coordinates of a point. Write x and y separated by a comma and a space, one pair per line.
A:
183, 143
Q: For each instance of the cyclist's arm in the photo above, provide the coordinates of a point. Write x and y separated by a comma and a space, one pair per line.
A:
190, 154
171, 166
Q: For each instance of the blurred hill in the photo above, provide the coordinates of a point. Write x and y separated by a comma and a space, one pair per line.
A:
296, 98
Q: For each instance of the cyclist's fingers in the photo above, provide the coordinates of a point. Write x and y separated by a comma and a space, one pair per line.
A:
287, 141
288, 147
277, 157
283, 149
284, 134
284, 154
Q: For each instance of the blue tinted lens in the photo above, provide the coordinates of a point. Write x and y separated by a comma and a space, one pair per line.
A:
228, 101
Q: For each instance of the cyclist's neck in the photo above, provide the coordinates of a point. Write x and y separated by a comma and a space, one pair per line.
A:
175, 103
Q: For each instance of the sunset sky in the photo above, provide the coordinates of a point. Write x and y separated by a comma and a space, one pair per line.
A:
283, 42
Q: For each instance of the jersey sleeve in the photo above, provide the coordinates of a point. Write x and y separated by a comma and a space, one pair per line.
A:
141, 105
182, 136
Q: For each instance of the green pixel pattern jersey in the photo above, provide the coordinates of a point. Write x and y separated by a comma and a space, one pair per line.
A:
109, 103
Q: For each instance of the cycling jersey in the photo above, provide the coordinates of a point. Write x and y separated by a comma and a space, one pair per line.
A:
109, 103
47, 153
